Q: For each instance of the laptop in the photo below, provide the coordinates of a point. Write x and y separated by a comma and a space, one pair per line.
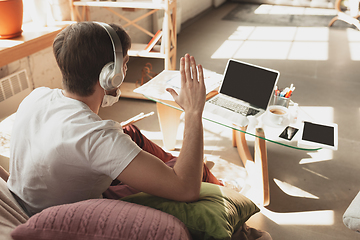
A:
246, 90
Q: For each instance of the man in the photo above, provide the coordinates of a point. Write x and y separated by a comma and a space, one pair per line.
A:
63, 152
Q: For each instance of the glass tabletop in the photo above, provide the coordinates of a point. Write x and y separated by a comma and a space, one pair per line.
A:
155, 91
272, 131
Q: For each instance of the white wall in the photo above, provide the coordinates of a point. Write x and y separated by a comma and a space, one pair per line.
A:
41, 69
191, 8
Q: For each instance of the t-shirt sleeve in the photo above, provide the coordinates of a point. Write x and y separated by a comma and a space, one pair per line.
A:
112, 150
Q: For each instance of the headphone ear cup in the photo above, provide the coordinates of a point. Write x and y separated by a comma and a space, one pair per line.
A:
106, 75
111, 75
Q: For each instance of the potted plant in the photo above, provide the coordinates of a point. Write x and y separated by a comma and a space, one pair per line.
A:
11, 17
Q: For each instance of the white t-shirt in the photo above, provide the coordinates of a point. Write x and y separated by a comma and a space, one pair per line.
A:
62, 152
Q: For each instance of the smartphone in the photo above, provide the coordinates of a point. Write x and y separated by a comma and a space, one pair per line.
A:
288, 133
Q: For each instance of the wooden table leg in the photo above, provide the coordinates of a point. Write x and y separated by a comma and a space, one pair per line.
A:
239, 141
257, 168
169, 119
260, 157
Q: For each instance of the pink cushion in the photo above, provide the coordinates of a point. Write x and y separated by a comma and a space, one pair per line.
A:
101, 219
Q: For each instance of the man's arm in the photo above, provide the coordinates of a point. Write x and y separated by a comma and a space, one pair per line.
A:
149, 174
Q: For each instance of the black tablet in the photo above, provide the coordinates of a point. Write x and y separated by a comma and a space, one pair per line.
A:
317, 134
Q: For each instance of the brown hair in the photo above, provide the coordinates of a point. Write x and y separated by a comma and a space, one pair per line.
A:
81, 50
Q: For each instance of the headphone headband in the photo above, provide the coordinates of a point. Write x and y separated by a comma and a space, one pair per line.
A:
111, 75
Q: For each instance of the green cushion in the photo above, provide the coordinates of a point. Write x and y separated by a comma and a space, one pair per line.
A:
217, 214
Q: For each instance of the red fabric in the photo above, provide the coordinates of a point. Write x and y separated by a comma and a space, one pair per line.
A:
154, 149
146, 144
117, 191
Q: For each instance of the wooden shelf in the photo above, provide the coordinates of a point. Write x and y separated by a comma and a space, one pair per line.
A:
80, 12
32, 40
122, 4
137, 50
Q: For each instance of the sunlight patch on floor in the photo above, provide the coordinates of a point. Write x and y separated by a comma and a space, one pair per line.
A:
289, 10
318, 156
214, 148
316, 173
293, 191
270, 42
314, 34
263, 50
273, 34
226, 50
225, 169
315, 218
309, 50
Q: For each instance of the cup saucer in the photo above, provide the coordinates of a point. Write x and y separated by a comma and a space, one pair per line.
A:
270, 123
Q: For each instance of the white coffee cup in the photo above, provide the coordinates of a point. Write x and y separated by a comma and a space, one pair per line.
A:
277, 114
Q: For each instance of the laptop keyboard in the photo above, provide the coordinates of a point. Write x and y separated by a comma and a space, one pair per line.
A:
235, 107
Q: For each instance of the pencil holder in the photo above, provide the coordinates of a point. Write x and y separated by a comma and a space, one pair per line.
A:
282, 101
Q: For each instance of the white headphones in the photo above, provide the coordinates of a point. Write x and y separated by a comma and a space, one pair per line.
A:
111, 75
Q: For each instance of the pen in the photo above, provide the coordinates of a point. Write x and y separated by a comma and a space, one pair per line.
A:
136, 118
288, 94
282, 94
277, 92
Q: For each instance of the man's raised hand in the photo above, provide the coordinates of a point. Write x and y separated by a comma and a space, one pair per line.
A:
192, 94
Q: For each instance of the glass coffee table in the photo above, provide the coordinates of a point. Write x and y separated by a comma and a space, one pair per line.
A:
259, 131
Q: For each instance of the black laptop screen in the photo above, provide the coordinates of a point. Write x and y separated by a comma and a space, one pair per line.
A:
249, 83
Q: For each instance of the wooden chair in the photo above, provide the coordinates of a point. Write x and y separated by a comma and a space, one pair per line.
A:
345, 17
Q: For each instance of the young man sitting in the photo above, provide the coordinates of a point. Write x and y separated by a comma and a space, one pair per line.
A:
63, 152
